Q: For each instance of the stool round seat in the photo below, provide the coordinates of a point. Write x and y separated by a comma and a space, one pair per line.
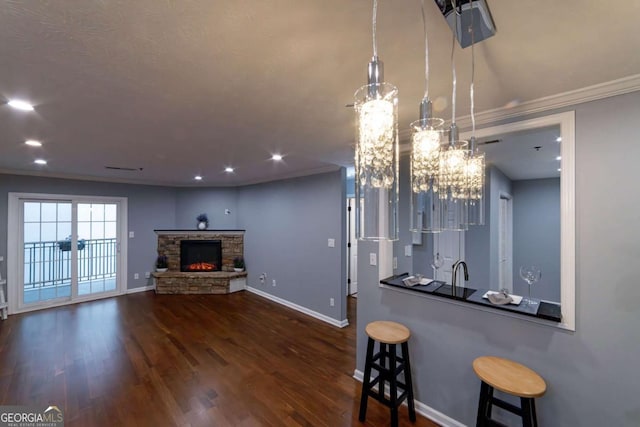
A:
388, 332
509, 377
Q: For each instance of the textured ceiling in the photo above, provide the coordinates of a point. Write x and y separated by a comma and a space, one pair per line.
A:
186, 87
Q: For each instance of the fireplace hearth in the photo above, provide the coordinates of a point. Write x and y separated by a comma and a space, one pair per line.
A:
200, 256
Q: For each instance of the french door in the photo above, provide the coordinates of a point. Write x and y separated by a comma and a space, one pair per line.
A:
65, 249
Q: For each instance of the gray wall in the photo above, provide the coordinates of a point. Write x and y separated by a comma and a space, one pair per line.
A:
405, 263
592, 374
536, 235
288, 224
150, 207
191, 202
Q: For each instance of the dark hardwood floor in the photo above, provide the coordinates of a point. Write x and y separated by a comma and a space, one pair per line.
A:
164, 360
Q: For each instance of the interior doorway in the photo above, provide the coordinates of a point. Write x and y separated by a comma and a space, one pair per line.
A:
352, 248
505, 243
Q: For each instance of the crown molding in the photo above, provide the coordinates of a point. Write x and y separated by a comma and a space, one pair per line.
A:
548, 103
590, 93
292, 175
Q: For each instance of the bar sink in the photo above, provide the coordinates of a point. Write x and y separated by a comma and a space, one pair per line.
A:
461, 293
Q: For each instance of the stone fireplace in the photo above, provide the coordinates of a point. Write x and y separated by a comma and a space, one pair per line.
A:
200, 261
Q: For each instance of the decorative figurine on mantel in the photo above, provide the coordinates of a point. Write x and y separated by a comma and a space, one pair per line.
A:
203, 221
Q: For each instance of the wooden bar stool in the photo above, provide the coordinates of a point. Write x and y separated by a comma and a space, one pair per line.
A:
508, 377
389, 365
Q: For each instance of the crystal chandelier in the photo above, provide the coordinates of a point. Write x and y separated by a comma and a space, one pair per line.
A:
475, 168
454, 191
426, 140
376, 153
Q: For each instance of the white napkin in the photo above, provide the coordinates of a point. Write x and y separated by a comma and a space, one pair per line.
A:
516, 299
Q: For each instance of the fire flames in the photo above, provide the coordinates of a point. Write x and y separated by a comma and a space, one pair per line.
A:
201, 266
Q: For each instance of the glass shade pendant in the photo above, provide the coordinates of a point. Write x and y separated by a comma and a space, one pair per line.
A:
376, 162
454, 186
475, 171
426, 140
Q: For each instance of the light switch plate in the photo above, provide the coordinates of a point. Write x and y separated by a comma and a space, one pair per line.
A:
407, 250
131, 234
373, 259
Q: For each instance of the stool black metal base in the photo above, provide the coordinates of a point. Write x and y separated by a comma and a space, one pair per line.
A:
389, 365
527, 409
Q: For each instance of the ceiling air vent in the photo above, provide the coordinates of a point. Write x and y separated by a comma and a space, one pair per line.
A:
469, 12
121, 168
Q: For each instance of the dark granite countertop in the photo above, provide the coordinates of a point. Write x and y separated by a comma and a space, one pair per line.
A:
544, 310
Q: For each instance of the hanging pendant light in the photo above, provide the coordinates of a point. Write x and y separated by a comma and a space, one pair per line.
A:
476, 163
376, 153
426, 139
453, 162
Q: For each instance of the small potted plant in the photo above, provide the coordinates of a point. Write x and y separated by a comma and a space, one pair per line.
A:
162, 263
203, 221
238, 264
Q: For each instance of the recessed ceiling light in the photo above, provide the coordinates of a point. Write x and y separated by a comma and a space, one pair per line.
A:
40, 161
33, 143
228, 169
276, 157
20, 105
559, 158
197, 178
559, 139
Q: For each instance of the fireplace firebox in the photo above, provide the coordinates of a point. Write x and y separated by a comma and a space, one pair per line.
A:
200, 255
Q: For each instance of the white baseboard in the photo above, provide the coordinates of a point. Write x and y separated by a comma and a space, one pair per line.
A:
421, 408
140, 289
301, 309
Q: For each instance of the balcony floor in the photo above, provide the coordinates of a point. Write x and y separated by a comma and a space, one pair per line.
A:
63, 290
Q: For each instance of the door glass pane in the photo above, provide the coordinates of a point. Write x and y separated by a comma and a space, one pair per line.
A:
97, 259
46, 256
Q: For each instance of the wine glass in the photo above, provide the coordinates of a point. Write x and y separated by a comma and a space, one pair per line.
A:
530, 274
436, 263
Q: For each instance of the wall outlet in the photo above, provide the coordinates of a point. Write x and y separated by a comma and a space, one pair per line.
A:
147, 275
131, 234
136, 276
273, 282
373, 259
395, 262
331, 243
332, 302
407, 250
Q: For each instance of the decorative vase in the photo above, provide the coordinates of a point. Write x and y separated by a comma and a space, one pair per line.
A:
202, 225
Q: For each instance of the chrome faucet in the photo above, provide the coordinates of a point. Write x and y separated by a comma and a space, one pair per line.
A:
454, 276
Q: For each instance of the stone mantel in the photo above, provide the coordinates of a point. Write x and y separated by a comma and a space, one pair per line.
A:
195, 231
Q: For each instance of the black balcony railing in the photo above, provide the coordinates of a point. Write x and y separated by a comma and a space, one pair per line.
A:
49, 263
